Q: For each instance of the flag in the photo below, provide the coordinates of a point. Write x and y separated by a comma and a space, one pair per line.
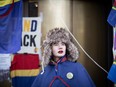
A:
10, 25
112, 73
112, 15
24, 69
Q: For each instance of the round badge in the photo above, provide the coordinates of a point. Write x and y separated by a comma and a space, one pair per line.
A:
69, 75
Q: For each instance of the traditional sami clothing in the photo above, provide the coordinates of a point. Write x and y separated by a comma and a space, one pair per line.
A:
64, 73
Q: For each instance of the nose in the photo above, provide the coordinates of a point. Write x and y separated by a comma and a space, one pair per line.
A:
60, 46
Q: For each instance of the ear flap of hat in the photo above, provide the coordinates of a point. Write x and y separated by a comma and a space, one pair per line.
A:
47, 54
73, 52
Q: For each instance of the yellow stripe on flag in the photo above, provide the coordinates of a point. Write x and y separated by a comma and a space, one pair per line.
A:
114, 8
114, 62
6, 2
33, 72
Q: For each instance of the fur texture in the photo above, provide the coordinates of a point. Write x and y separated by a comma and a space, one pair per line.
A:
56, 35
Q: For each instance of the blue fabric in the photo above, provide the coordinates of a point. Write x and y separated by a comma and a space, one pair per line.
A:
11, 28
23, 81
112, 73
80, 76
112, 16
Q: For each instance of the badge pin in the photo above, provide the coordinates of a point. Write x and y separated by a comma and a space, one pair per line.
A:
69, 75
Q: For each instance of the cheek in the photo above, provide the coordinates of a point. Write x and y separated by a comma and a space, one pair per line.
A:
54, 50
64, 48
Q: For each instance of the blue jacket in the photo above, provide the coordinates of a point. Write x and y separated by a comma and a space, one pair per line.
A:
57, 75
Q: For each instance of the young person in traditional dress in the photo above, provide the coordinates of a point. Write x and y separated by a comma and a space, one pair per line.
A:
61, 68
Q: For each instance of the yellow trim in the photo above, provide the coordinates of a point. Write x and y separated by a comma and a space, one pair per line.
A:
33, 72
114, 62
114, 8
6, 2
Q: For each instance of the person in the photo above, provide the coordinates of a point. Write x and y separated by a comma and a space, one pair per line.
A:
61, 68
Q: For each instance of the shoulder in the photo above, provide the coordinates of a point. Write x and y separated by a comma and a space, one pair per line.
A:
76, 64
79, 65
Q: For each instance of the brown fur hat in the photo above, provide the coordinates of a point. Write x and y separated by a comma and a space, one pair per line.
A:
56, 35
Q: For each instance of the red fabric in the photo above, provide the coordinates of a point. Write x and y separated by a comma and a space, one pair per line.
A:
9, 10
60, 80
25, 61
114, 4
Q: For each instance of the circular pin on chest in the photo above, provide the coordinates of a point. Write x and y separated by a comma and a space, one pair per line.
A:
69, 75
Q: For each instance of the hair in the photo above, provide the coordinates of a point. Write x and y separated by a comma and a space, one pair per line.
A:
57, 35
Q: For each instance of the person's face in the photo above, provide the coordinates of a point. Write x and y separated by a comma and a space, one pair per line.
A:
58, 49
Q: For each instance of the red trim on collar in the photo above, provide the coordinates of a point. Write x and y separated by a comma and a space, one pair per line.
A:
59, 61
63, 59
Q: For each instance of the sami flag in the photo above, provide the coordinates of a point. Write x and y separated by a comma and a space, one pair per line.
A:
112, 73
10, 25
24, 69
112, 16
112, 21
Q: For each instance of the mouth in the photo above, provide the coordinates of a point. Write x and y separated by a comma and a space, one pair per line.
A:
60, 52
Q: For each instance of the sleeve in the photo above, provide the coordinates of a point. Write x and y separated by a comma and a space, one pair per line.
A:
84, 79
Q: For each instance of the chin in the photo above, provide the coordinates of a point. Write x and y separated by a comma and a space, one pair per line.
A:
60, 55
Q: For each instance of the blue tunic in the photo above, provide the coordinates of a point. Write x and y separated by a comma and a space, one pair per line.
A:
55, 75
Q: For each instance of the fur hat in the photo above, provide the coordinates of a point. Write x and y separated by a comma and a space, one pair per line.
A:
56, 35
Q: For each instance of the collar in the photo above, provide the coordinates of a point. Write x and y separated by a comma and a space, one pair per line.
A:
61, 60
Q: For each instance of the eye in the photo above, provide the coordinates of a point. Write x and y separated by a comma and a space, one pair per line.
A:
55, 44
